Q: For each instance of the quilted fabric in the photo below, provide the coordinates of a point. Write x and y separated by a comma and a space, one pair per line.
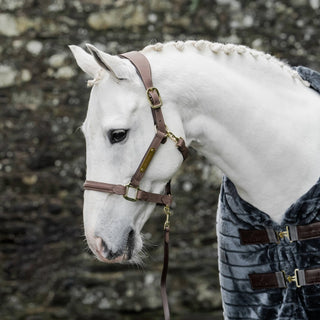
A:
236, 261
310, 75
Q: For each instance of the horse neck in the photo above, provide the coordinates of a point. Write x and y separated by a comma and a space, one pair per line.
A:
251, 116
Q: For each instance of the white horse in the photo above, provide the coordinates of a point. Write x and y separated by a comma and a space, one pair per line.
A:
249, 113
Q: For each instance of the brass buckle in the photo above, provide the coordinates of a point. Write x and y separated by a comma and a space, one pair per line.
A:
131, 193
168, 213
154, 106
293, 278
172, 136
282, 234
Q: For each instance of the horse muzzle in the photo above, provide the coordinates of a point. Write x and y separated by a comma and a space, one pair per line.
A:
123, 254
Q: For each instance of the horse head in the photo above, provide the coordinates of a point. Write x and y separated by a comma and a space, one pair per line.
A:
118, 129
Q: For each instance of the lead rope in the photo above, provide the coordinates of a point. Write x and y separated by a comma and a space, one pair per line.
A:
165, 302
166, 238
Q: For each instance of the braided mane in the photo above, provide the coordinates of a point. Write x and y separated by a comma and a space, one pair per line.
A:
228, 49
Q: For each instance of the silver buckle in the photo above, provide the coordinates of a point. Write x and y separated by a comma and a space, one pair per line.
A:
131, 193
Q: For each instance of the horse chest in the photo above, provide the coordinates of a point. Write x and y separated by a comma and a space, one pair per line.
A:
237, 261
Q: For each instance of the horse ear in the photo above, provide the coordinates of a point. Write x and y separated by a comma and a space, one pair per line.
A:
85, 61
119, 68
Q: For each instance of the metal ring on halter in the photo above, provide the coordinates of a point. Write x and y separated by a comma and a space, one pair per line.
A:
129, 195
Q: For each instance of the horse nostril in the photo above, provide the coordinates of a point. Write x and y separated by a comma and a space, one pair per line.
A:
103, 250
99, 244
130, 243
125, 249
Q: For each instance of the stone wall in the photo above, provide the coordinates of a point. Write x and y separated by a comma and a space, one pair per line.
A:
46, 270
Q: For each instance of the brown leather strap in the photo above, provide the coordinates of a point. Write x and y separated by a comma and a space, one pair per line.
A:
279, 279
306, 232
311, 276
165, 302
257, 236
143, 68
163, 199
104, 187
156, 142
183, 148
269, 235
270, 280
158, 120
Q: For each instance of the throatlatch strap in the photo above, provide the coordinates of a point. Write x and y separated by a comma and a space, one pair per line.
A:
183, 148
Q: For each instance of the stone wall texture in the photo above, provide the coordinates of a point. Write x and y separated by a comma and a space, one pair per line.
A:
46, 270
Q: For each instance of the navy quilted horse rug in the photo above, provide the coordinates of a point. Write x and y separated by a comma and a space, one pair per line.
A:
265, 272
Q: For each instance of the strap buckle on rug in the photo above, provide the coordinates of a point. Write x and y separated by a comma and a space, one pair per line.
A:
283, 234
279, 279
295, 278
269, 235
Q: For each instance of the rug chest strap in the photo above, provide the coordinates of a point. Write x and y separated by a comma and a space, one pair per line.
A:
274, 280
269, 235
270, 280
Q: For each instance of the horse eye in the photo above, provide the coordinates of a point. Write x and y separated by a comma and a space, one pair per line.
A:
117, 135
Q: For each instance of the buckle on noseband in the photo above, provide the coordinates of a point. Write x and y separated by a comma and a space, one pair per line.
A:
131, 193
149, 96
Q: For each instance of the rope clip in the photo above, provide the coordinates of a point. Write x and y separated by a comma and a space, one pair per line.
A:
168, 213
